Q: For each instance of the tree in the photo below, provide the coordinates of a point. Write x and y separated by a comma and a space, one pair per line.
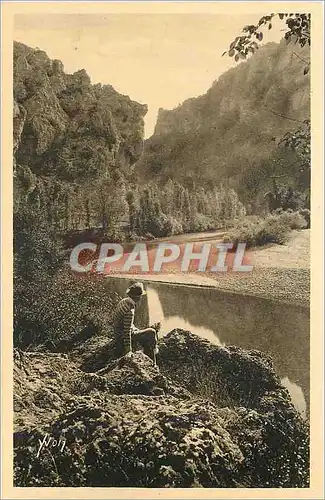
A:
299, 141
168, 199
109, 200
188, 214
133, 210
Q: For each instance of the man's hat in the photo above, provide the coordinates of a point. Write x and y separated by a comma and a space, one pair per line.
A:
137, 290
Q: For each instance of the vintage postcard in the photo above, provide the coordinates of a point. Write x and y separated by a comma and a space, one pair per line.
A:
162, 250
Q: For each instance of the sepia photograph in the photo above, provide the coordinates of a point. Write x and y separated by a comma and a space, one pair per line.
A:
162, 214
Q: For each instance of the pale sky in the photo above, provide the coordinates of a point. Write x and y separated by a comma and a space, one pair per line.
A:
157, 59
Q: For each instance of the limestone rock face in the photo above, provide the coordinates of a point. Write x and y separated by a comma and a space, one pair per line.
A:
227, 134
65, 113
209, 416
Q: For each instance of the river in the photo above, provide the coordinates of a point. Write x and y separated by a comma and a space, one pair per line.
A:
224, 318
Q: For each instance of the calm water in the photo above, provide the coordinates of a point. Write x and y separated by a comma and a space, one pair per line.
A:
281, 330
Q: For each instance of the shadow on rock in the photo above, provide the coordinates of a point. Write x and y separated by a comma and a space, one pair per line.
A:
208, 417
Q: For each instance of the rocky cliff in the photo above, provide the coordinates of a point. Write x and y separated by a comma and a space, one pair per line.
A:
208, 417
226, 135
69, 133
59, 118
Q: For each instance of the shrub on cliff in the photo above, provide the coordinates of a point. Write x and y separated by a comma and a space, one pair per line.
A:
201, 222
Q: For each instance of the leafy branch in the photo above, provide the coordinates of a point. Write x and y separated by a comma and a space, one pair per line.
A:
299, 141
298, 31
246, 44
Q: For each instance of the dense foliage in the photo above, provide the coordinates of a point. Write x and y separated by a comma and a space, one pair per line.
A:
172, 208
51, 304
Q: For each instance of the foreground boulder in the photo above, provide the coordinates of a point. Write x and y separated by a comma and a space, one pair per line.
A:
209, 417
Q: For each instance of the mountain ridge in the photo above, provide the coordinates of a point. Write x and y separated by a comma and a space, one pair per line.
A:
226, 133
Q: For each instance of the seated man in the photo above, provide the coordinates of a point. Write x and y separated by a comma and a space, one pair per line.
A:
126, 333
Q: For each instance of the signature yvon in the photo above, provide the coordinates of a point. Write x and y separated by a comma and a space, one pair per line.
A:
49, 441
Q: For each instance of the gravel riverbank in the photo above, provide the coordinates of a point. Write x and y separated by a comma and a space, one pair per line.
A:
280, 272
291, 286
281, 284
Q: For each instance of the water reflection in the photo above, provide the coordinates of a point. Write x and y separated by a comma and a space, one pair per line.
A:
281, 330
156, 313
297, 395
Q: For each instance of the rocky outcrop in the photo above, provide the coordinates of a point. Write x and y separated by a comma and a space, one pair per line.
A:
226, 135
208, 417
79, 139
62, 111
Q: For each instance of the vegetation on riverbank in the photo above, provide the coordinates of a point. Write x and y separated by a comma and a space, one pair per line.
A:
275, 228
